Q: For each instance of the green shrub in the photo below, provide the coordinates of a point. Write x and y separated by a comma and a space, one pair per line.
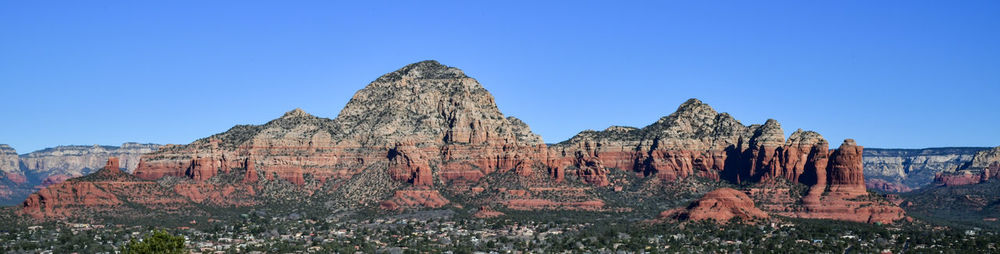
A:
159, 242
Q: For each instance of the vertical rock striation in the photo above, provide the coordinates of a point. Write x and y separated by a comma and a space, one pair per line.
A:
900, 170
108, 189
985, 165
424, 124
427, 127
14, 185
25, 173
698, 141
10, 168
82, 160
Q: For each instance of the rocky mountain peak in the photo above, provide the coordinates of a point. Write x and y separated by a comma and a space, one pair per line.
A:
691, 115
696, 124
694, 108
427, 102
769, 134
800, 137
428, 69
849, 142
297, 112
294, 125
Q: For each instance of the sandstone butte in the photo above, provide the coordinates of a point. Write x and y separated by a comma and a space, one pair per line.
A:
721, 206
427, 128
985, 165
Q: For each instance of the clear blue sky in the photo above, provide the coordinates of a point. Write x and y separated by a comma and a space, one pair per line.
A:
887, 73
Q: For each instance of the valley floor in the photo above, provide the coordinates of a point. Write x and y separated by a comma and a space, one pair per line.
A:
456, 231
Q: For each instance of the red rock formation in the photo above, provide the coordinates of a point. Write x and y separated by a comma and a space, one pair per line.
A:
959, 178
407, 163
47, 202
428, 127
13, 183
839, 208
251, 174
415, 199
14, 177
424, 123
721, 206
694, 141
840, 193
985, 165
113, 164
105, 190
697, 141
54, 179
846, 173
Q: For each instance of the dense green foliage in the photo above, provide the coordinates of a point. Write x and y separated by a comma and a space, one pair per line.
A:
158, 242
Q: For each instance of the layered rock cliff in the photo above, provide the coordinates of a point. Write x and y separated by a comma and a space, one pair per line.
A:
108, 189
21, 175
9, 161
427, 135
693, 141
985, 166
81, 160
698, 141
423, 125
13, 183
896, 170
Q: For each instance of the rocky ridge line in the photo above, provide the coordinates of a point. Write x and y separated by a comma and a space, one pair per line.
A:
985, 165
427, 127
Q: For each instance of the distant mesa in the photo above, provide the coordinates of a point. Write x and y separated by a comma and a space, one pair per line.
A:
23, 174
900, 170
985, 165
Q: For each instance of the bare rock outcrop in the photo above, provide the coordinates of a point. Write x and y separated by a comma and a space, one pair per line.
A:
844, 196
427, 129
14, 184
107, 190
985, 165
721, 206
10, 164
81, 160
26, 173
425, 124
693, 141
697, 141
415, 199
914, 168
846, 173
